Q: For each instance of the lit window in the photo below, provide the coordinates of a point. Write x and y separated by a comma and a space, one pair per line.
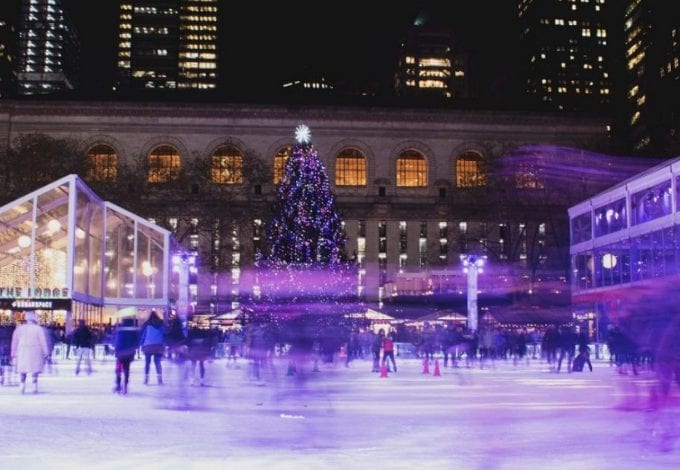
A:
635, 118
227, 165
102, 164
470, 170
350, 168
280, 162
411, 169
163, 164
435, 62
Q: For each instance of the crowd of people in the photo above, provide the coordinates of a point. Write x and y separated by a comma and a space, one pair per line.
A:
27, 349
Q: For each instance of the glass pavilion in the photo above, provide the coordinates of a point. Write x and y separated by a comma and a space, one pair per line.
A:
626, 240
67, 254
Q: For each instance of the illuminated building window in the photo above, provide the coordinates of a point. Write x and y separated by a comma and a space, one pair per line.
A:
470, 170
350, 168
227, 165
102, 164
411, 169
280, 162
635, 118
435, 62
163, 164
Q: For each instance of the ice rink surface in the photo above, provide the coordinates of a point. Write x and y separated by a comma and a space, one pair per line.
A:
507, 417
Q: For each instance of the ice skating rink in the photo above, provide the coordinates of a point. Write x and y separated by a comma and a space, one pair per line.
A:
507, 417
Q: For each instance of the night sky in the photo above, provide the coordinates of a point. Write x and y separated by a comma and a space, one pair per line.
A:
263, 43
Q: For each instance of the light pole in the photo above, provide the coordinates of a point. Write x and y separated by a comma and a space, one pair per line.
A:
182, 262
472, 265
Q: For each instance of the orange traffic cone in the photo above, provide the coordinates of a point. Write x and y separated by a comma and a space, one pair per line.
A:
426, 366
383, 371
437, 372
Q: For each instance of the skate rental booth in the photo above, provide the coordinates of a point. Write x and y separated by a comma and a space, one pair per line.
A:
69, 255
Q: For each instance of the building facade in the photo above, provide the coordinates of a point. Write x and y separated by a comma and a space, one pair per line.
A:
169, 44
652, 79
414, 186
566, 54
429, 64
9, 21
48, 50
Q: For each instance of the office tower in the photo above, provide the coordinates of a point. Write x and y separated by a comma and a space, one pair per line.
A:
48, 49
8, 45
565, 53
652, 90
167, 44
429, 64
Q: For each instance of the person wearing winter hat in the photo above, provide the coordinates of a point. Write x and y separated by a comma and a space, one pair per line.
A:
29, 350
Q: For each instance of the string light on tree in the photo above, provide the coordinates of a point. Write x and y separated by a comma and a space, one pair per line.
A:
304, 267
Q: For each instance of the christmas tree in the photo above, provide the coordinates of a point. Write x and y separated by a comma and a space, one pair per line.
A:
305, 229
304, 269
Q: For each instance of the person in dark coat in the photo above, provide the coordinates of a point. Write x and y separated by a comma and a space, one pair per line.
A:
583, 356
83, 340
200, 343
126, 343
152, 341
6, 332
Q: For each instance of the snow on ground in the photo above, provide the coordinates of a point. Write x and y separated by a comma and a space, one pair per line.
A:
340, 418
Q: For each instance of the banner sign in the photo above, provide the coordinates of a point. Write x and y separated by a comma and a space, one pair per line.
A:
35, 304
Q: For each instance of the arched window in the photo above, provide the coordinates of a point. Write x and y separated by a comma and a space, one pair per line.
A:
411, 169
102, 164
280, 162
227, 165
470, 170
163, 164
350, 168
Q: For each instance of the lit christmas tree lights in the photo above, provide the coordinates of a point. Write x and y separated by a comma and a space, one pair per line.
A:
305, 229
304, 268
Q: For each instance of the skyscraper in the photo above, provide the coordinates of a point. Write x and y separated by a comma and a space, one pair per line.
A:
428, 63
167, 44
566, 58
48, 49
652, 91
8, 45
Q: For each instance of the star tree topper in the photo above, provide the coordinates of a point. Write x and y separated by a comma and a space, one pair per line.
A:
303, 135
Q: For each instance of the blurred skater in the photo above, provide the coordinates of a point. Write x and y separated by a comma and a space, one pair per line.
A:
29, 350
126, 342
5, 354
83, 341
152, 341
583, 356
201, 345
388, 351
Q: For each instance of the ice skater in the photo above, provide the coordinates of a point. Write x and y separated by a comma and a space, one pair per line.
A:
5, 354
83, 340
29, 350
126, 342
388, 351
152, 342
